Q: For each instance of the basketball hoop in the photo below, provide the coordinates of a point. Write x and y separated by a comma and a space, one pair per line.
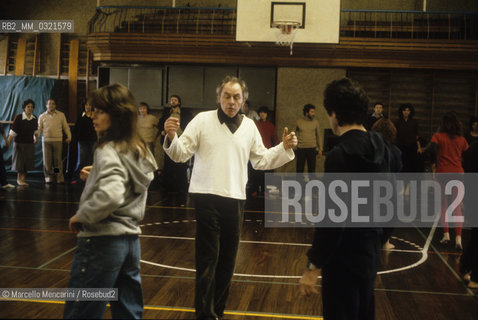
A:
285, 32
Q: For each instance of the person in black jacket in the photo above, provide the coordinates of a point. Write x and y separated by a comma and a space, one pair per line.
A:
348, 257
469, 261
174, 176
86, 135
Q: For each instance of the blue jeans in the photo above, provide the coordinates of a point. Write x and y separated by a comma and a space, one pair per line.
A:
107, 262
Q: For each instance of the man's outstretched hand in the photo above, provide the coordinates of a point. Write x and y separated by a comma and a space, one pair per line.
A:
289, 139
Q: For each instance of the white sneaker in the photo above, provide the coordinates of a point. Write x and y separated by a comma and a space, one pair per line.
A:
8, 186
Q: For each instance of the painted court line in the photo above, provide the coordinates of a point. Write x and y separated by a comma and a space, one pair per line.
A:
191, 310
242, 241
424, 251
36, 230
56, 258
148, 206
450, 268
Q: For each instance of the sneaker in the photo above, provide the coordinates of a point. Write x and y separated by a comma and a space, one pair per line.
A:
8, 186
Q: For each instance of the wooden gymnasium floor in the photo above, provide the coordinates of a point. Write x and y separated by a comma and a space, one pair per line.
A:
418, 280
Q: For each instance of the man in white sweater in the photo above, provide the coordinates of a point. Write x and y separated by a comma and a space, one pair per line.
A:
223, 141
51, 124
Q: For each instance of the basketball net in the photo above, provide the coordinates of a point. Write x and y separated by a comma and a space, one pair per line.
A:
285, 32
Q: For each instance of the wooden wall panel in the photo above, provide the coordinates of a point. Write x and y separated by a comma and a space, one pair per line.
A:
413, 88
454, 94
376, 84
431, 93
72, 80
20, 57
220, 49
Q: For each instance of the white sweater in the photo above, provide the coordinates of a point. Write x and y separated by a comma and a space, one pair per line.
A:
51, 126
221, 157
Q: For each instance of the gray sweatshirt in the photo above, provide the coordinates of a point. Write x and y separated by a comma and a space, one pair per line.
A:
114, 198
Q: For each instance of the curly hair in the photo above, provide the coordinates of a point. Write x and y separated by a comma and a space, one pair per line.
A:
403, 107
27, 102
451, 125
386, 128
307, 108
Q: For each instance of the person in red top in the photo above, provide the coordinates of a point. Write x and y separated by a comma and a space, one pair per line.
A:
449, 145
266, 128
269, 138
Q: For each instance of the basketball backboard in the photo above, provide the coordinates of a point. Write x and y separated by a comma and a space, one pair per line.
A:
319, 20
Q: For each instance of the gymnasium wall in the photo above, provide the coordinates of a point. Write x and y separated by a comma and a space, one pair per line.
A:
294, 86
82, 11
297, 87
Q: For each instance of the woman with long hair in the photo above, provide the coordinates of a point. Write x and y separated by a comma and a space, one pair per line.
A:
449, 144
111, 206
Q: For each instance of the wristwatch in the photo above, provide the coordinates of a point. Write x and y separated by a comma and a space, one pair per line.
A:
311, 266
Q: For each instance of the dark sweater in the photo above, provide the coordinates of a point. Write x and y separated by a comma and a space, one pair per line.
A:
24, 129
84, 129
353, 248
407, 132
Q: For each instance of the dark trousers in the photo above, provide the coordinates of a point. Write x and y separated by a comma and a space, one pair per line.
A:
218, 229
346, 298
469, 261
175, 175
258, 180
349, 275
303, 155
86, 151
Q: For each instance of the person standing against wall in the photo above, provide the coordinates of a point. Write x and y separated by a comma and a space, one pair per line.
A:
147, 125
376, 115
175, 176
308, 135
270, 139
248, 112
86, 136
3, 172
407, 139
23, 132
51, 124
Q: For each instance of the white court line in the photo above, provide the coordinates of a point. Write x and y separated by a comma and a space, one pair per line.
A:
424, 257
424, 251
242, 241
56, 258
